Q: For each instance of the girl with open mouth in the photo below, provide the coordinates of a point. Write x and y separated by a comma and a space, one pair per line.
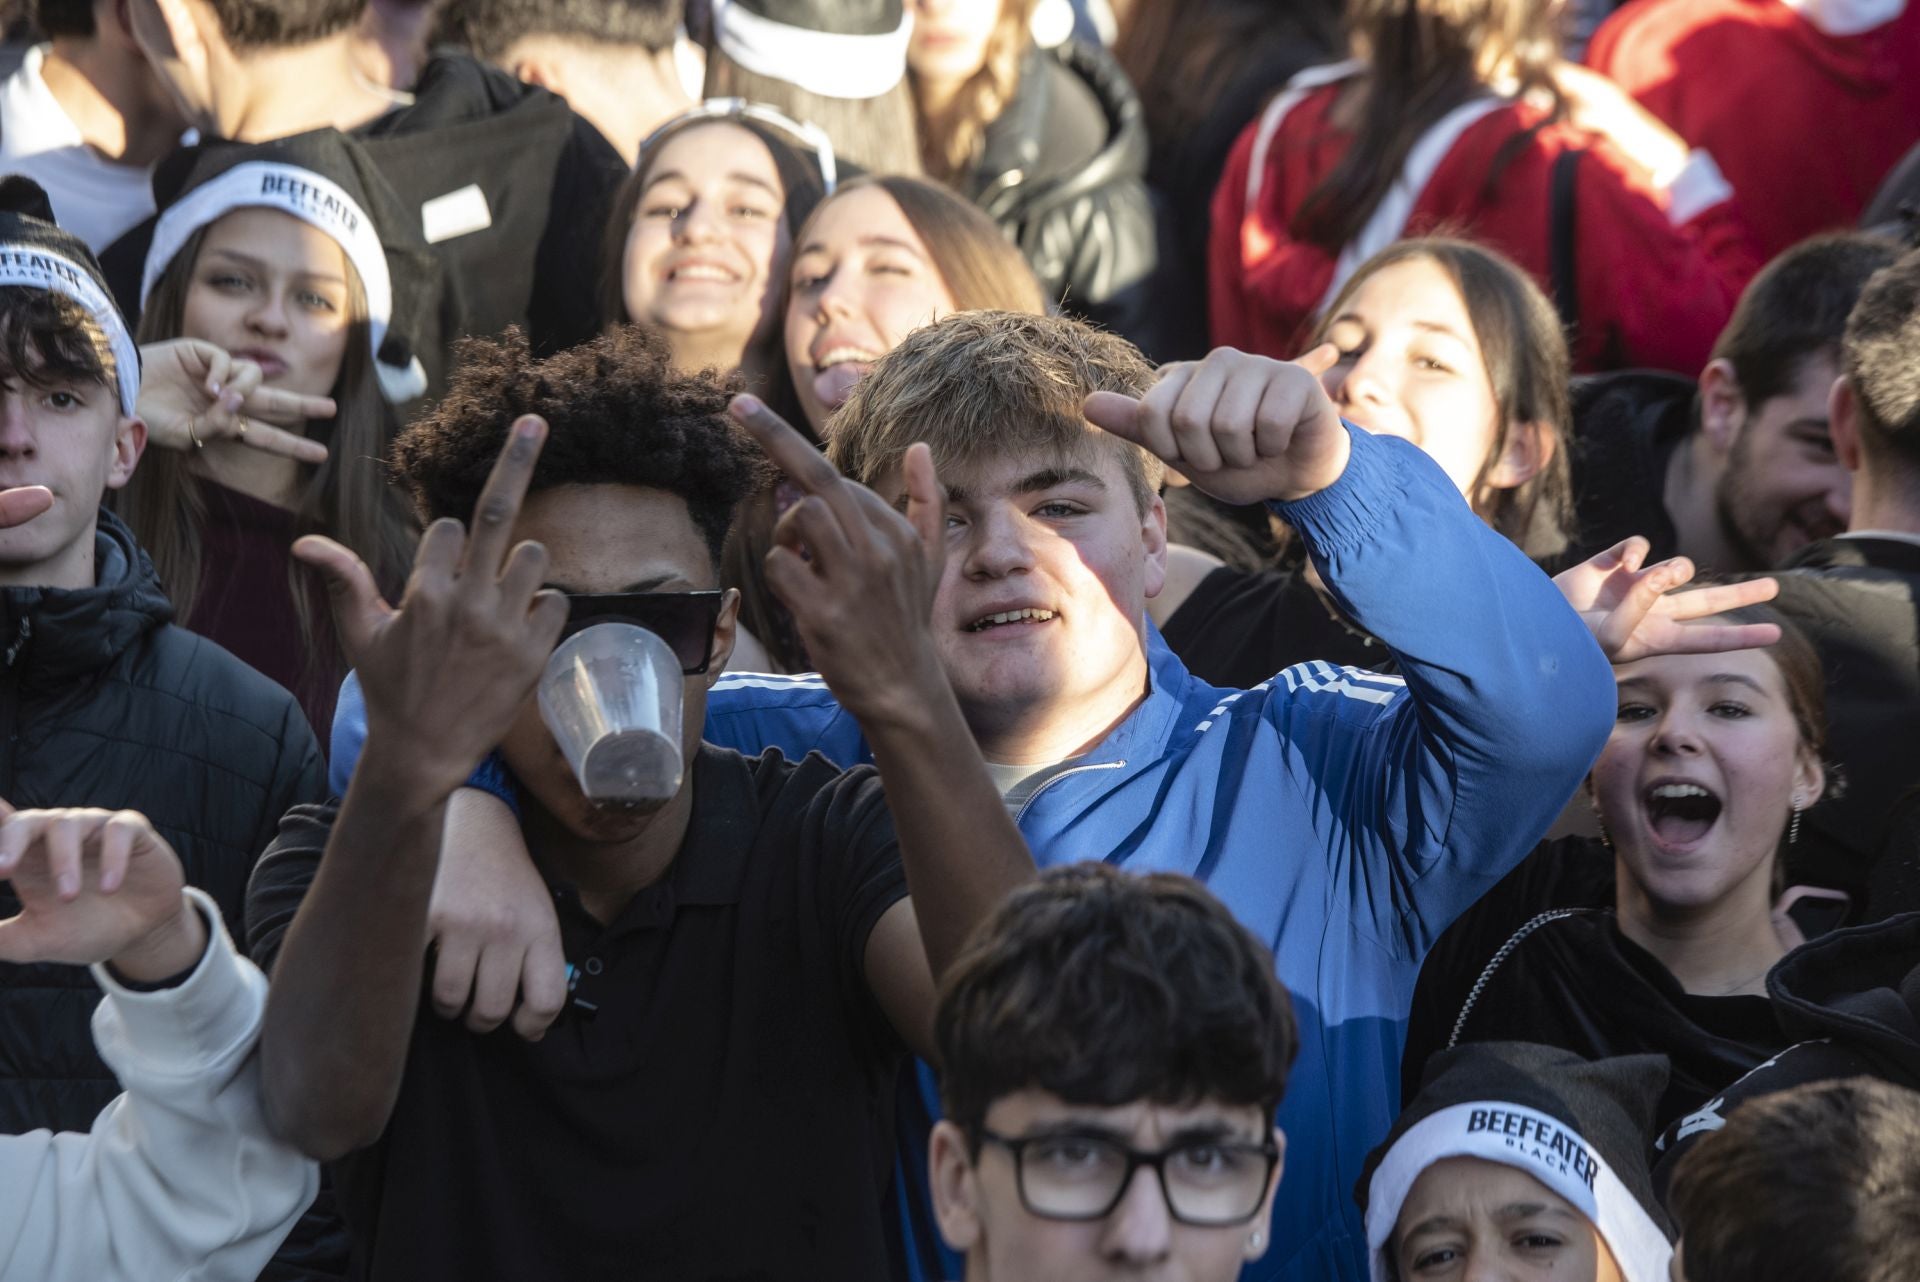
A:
1657, 936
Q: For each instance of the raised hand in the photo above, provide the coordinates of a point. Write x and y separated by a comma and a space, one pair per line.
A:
446, 672
1242, 428
857, 575
1635, 613
192, 391
94, 886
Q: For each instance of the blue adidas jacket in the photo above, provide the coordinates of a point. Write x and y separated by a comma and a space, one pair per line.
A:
1345, 817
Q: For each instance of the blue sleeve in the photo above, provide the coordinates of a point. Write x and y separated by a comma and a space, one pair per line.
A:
350, 736
1437, 790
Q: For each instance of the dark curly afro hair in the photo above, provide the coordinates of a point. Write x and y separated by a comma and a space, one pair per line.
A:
619, 414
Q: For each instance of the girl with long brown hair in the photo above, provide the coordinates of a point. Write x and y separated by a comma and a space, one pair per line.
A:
278, 264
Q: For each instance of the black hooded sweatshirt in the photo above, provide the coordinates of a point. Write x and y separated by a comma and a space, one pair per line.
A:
1849, 1003
1541, 958
103, 702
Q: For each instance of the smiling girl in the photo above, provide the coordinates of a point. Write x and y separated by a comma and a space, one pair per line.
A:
1658, 936
883, 257
702, 234
270, 254
1447, 345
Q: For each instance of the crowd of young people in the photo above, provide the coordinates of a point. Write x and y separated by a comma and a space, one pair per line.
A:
1296, 641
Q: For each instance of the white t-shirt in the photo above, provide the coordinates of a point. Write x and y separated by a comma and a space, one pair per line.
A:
93, 197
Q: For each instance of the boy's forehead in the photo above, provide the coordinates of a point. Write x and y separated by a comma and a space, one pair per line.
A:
1151, 1120
994, 474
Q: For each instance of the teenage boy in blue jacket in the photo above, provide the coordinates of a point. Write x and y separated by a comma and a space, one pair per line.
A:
1345, 817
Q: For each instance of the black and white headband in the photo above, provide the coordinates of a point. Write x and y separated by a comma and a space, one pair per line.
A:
1541, 1145
829, 63
37, 267
314, 199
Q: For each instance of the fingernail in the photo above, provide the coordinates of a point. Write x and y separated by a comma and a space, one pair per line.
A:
527, 428
746, 403
230, 401
215, 388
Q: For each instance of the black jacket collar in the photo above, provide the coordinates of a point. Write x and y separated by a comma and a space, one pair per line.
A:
49, 636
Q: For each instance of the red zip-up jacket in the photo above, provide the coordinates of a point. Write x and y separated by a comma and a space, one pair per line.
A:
1805, 122
1650, 292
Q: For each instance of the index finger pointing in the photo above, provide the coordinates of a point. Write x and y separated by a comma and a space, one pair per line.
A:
491, 530
791, 452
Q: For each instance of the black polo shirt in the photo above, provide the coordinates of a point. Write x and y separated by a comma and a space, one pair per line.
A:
714, 1103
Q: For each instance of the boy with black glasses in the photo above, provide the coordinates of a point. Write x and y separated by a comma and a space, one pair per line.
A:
746, 968
1114, 1050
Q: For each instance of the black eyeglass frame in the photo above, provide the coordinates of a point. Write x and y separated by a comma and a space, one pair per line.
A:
584, 609
1136, 1158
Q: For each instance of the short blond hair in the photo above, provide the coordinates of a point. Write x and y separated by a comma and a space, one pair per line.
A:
989, 384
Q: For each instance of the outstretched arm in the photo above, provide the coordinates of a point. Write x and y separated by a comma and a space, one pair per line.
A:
180, 1175
1434, 791
859, 578
444, 676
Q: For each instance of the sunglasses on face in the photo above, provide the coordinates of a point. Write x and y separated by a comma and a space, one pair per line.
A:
684, 620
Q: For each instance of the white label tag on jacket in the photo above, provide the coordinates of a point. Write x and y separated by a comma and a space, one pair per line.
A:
458, 213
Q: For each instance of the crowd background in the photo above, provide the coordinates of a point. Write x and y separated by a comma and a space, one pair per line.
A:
1639, 287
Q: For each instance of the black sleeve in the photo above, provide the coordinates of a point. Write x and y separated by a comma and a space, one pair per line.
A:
1572, 872
863, 876
1798, 1065
282, 877
860, 876
301, 776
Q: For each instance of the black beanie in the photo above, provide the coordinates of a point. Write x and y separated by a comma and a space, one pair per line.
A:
1583, 1128
834, 48
37, 254
326, 180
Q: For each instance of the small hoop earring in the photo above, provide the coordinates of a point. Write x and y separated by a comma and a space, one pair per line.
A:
1793, 825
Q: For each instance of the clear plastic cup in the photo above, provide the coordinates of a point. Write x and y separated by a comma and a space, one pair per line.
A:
612, 696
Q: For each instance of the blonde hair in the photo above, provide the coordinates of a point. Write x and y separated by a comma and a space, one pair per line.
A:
993, 384
950, 143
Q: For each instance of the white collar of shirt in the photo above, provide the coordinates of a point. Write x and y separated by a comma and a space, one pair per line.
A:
35, 120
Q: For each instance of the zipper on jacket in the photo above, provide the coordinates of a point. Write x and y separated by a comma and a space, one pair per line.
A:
10, 702
1020, 814
1505, 950
20, 639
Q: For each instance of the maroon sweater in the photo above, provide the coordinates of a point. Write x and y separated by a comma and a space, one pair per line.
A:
246, 605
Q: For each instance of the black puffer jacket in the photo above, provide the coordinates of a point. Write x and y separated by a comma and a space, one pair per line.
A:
104, 703
1063, 171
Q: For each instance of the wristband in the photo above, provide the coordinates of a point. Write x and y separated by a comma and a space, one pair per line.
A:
491, 776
